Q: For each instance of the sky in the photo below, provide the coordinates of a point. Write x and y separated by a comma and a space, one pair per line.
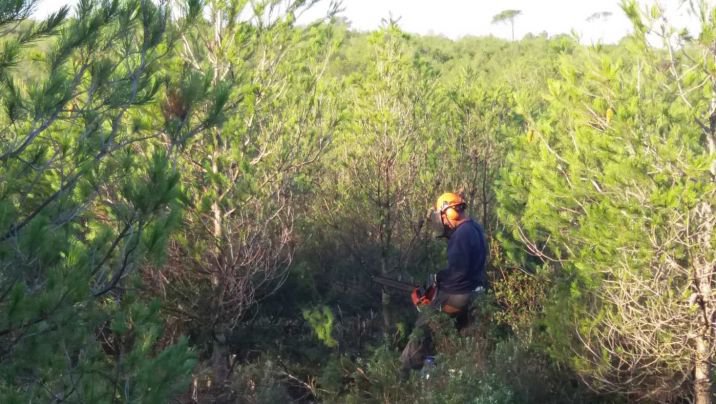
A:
458, 18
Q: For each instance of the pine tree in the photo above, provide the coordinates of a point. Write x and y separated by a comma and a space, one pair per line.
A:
613, 189
247, 176
386, 179
88, 195
507, 15
482, 122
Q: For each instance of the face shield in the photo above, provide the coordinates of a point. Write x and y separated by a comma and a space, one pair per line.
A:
436, 222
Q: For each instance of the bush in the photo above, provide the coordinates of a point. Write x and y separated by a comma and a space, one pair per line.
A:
486, 364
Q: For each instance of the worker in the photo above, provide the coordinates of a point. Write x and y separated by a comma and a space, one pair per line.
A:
457, 284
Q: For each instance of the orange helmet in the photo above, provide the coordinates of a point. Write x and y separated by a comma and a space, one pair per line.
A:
450, 200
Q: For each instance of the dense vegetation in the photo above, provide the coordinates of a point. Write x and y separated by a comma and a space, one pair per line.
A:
193, 201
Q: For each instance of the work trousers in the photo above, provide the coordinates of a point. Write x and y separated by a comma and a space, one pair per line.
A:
420, 343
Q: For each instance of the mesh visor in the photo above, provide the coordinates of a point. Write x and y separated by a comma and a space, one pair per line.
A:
436, 222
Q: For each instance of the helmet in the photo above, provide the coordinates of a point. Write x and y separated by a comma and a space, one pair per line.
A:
450, 200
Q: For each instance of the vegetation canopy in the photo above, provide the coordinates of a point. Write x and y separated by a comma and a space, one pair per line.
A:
196, 195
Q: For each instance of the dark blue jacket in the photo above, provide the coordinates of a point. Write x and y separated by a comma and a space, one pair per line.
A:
467, 258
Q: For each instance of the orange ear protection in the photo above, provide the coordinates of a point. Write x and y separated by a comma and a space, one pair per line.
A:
451, 212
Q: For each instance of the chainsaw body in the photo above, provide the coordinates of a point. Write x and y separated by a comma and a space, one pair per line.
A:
422, 296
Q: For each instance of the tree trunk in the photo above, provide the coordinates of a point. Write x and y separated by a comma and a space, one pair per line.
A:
385, 300
702, 365
215, 208
219, 361
219, 352
702, 381
386, 240
705, 267
704, 270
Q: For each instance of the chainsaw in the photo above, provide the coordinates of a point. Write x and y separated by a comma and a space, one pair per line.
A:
420, 295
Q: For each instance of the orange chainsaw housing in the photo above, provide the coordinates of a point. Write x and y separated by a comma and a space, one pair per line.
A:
422, 297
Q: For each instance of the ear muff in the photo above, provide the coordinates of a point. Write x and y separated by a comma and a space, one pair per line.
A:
452, 212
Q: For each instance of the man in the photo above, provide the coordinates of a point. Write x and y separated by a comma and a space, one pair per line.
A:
457, 284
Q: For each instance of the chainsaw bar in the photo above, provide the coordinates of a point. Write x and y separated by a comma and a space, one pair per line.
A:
392, 283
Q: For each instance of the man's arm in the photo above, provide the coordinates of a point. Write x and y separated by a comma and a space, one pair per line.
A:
458, 264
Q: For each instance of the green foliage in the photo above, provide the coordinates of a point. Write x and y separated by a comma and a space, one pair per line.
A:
473, 367
260, 383
321, 321
619, 146
86, 199
259, 88
378, 178
175, 191
484, 115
